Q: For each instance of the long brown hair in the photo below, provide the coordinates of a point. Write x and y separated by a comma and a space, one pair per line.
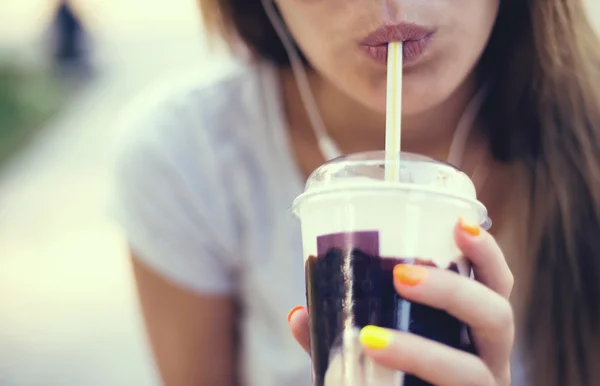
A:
545, 110
543, 113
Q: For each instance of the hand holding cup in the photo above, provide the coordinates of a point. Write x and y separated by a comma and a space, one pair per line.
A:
482, 304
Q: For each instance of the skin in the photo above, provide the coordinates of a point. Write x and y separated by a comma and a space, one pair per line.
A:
481, 303
184, 328
349, 88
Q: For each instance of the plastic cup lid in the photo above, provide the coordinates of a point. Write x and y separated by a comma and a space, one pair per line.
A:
416, 172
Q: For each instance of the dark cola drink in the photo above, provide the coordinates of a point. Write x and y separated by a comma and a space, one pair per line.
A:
353, 283
361, 215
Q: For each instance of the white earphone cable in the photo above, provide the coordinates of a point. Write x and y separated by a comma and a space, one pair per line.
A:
464, 127
327, 146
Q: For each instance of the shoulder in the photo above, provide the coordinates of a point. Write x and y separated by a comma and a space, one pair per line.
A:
192, 111
176, 137
174, 175
188, 145
194, 124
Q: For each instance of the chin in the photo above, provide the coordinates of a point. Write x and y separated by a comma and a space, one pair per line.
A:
413, 102
377, 103
373, 98
419, 93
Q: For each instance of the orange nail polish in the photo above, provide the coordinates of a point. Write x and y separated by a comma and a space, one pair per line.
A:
293, 311
469, 228
409, 274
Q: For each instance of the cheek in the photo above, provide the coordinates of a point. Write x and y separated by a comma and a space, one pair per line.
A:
325, 37
329, 30
311, 26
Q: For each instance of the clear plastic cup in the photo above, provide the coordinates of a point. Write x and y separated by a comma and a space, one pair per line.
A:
356, 227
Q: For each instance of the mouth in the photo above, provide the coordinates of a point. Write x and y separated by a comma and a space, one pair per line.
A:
414, 38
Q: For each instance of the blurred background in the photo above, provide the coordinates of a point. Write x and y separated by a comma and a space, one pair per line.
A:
67, 309
68, 315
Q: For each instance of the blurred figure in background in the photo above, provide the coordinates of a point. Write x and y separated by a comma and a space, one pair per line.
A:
206, 185
70, 50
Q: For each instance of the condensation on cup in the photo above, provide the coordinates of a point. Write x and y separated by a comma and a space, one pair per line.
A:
356, 227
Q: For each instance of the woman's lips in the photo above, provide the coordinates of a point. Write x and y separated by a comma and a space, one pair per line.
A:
414, 38
411, 50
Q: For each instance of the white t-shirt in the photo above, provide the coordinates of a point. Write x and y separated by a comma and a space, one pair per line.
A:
204, 187
204, 192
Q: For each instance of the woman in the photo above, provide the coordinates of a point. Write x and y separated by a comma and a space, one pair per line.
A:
206, 186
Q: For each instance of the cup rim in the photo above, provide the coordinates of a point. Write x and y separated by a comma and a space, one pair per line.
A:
484, 221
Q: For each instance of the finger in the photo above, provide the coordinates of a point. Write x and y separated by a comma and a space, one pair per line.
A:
298, 320
488, 314
489, 265
430, 361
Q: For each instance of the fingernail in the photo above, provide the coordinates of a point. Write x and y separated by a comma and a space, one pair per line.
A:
409, 274
293, 311
470, 228
375, 337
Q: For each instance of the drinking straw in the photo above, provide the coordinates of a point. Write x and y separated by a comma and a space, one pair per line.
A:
393, 116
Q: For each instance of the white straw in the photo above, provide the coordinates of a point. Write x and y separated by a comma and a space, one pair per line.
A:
393, 116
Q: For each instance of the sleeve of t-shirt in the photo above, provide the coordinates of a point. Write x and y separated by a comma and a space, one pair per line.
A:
171, 202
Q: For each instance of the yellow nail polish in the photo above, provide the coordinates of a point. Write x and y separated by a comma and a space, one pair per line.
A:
375, 337
410, 275
469, 228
